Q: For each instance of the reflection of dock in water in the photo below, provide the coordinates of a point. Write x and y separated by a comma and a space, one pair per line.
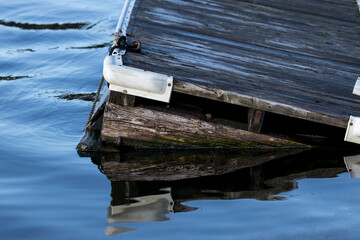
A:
353, 165
138, 196
127, 207
175, 165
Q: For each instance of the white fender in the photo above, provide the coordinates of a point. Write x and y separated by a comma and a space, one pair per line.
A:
356, 89
136, 81
353, 130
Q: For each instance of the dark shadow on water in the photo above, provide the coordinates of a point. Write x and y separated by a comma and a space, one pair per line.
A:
147, 186
11, 78
52, 26
78, 96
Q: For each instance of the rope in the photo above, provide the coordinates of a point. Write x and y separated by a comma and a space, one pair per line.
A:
120, 31
95, 100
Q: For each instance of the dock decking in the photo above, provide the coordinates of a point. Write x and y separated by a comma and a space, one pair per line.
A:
300, 59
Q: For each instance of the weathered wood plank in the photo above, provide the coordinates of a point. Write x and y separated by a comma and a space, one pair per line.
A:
250, 70
299, 59
265, 26
254, 102
142, 128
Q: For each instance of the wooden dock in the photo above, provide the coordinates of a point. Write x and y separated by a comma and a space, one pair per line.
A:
300, 59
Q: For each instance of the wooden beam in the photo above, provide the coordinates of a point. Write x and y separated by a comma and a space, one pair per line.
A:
255, 120
122, 99
260, 103
143, 128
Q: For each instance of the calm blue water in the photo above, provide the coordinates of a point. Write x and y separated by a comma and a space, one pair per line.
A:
48, 192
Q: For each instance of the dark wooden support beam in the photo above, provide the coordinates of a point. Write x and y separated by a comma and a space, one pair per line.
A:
255, 120
257, 178
122, 99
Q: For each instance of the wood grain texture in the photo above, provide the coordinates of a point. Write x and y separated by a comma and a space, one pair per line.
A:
122, 99
143, 128
299, 59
